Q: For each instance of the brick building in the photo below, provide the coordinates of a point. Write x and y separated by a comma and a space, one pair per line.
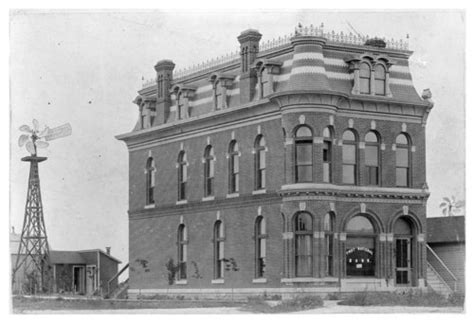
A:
302, 159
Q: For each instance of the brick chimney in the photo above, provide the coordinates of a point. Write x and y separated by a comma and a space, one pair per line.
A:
249, 46
164, 78
107, 250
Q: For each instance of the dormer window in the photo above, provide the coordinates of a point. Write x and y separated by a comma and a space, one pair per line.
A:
370, 74
182, 93
220, 84
265, 71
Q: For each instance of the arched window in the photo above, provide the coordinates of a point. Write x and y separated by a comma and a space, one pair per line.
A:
360, 247
349, 157
327, 154
182, 175
379, 77
179, 106
260, 246
402, 163
303, 231
217, 96
329, 242
372, 158
209, 171
233, 167
364, 77
304, 155
219, 239
260, 162
182, 251
150, 181
403, 232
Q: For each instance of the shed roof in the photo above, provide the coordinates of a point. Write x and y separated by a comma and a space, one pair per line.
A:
446, 229
66, 257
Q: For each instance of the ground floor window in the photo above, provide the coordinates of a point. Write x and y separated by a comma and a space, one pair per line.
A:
360, 247
403, 251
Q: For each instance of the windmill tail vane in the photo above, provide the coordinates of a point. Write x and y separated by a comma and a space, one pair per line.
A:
32, 138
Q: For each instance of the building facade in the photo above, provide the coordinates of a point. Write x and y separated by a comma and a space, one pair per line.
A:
297, 165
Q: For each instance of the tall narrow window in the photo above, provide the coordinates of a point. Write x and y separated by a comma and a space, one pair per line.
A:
304, 154
260, 246
266, 84
182, 176
209, 171
233, 167
364, 77
402, 160
180, 106
150, 181
379, 78
217, 96
303, 226
260, 163
219, 250
329, 242
372, 158
182, 251
327, 155
349, 157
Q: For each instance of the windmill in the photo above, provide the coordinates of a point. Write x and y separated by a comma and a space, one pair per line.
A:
32, 260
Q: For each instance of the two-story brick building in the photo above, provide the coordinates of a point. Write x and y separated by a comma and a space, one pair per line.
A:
302, 158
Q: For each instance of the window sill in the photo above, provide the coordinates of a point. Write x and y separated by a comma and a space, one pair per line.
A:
149, 206
208, 198
217, 281
262, 191
259, 280
181, 202
232, 195
181, 282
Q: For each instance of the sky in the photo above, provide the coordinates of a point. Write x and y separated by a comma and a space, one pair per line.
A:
85, 68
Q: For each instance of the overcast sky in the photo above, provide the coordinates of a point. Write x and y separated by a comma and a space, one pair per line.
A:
86, 67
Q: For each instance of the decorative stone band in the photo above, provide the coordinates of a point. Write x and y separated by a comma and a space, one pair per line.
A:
342, 236
389, 237
421, 237
288, 235
318, 235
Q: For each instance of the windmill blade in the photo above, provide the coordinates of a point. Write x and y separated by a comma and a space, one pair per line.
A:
35, 125
59, 132
23, 139
31, 148
44, 132
42, 144
26, 128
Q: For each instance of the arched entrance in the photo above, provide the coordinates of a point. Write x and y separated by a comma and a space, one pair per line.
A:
404, 250
360, 247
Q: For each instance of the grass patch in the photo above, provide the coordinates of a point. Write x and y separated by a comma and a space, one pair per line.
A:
21, 304
410, 298
299, 303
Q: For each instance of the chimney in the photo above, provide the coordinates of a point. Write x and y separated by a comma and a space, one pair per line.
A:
249, 46
164, 78
107, 250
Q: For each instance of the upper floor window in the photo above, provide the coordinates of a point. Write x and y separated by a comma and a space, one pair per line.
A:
182, 175
364, 77
217, 96
182, 251
209, 171
266, 84
303, 231
150, 181
260, 163
327, 154
402, 163
372, 158
180, 106
219, 258
304, 154
349, 157
233, 167
328, 224
260, 246
379, 79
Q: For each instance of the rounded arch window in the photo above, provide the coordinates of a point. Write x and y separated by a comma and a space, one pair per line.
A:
260, 162
182, 175
328, 226
360, 247
379, 77
349, 157
364, 78
327, 155
372, 158
303, 154
303, 231
233, 167
402, 162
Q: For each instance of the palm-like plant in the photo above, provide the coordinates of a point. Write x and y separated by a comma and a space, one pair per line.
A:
450, 205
